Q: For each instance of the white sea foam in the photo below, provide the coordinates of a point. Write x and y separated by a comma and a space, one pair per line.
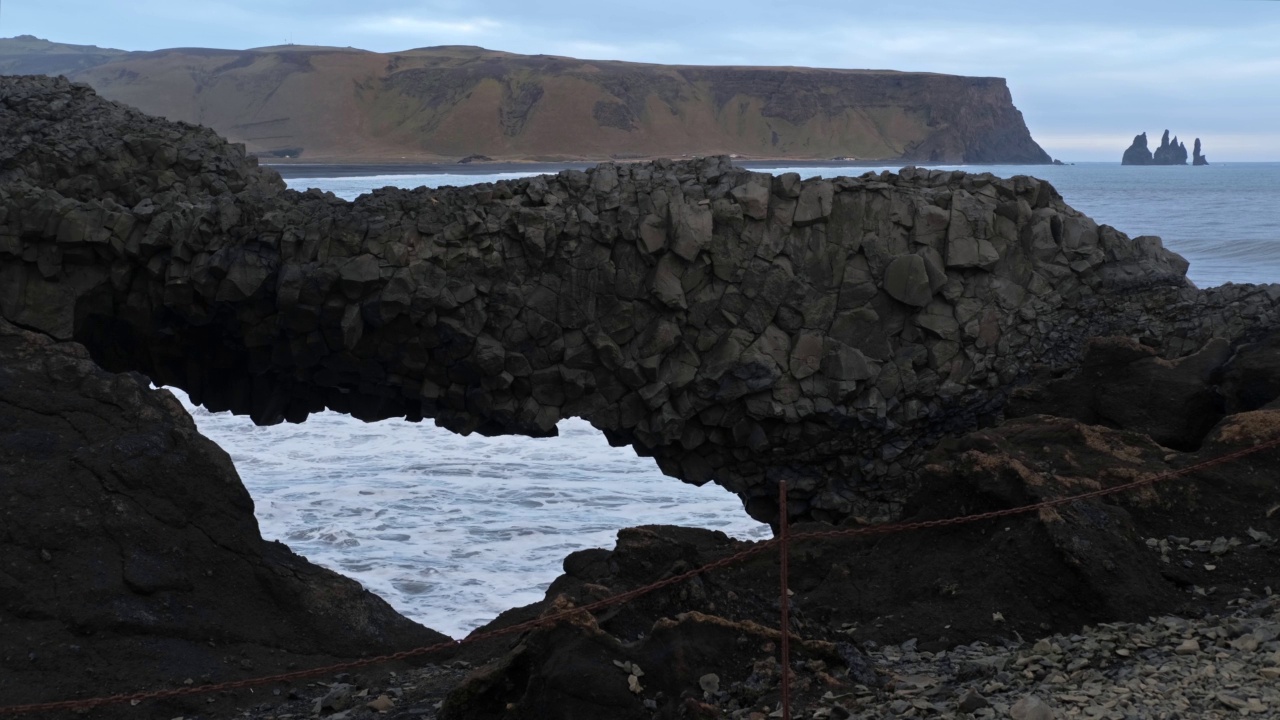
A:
451, 530
350, 187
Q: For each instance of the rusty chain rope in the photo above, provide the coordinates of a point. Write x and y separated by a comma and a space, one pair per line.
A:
784, 644
543, 621
783, 539
888, 528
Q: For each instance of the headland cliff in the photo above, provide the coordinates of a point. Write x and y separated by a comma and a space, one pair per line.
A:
325, 104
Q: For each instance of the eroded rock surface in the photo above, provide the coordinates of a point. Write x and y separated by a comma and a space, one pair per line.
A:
740, 328
129, 554
1191, 545
1197, 156
1170, 152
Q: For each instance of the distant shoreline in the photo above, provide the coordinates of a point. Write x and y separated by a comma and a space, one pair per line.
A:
342, 170
499, 167
322, 170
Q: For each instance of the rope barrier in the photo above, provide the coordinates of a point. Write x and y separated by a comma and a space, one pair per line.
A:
785, 644
782, 540
544, 621
890, 528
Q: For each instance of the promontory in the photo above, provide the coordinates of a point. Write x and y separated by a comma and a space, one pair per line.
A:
324, 104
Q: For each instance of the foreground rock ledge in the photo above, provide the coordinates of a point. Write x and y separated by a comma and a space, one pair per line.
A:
738, 327
129, 555
1193, 546
132, 561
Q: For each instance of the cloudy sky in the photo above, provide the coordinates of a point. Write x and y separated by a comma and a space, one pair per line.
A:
1088, 75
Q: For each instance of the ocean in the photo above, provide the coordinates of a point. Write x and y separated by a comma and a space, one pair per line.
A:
452, 531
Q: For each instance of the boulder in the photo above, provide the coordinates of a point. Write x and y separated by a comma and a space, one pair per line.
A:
1251, 378
1124, 384
815, 203
907, 280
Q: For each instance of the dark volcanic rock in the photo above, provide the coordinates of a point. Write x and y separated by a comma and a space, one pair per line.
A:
1100, 560
1170, 152
737, 327
1138, 153
130, 551
1197, 157
1251, 379
1121, 557
1124, 384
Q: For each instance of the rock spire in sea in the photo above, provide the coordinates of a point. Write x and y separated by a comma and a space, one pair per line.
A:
1198, 158
1170, 152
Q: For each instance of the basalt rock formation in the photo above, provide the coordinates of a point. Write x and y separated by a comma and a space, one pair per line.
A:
1197, 157
1123, 557
1170, 152
740, 328
444, 103
1138, 153
131, 554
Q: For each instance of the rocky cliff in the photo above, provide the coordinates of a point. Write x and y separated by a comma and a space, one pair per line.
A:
738, 327
336, 104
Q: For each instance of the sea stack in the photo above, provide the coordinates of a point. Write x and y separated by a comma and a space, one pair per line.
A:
1170, 152
1198, 158
1138, 153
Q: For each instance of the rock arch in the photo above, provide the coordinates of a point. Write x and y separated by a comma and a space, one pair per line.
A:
738, 327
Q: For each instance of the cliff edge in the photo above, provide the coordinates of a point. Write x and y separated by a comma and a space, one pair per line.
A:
446, 103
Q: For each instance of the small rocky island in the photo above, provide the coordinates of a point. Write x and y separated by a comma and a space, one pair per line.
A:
1170, 152
1197, 157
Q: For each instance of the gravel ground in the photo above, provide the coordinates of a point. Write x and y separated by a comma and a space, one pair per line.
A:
1218, 666
1169, 668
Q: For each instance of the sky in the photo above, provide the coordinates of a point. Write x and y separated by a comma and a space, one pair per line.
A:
1087, 75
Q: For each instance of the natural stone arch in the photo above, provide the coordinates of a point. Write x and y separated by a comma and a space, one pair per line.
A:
738, 327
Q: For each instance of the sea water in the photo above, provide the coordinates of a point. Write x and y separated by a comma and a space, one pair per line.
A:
452, 530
